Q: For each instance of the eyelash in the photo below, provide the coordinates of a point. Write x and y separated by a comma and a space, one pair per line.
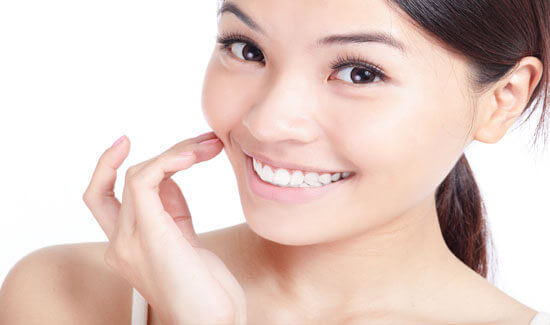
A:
352, 60
226, 40
348, 60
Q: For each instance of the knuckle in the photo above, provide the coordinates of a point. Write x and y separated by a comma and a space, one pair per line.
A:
135, 181
132, 177
88, 197
156, 161
117, 253
122, 251
131, 171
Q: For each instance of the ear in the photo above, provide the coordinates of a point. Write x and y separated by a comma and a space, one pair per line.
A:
506, 100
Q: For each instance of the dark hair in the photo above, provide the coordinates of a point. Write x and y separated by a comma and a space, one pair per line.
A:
493, 36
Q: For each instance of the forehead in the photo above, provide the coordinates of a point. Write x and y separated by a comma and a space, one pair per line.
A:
307, 21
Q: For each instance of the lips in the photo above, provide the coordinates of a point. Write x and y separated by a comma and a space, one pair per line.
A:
286, 195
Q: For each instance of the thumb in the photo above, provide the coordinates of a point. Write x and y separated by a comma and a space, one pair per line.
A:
174, 203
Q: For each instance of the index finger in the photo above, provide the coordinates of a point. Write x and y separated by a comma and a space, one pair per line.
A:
145, 183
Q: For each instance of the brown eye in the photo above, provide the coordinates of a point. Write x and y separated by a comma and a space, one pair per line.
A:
246, 52
357, 75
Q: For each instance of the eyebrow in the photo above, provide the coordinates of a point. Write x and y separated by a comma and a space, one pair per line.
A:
232, 8
359, 37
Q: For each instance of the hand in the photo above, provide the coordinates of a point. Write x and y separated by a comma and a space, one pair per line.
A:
152, 242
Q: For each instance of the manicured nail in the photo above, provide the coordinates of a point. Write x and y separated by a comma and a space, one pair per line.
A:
210, 141
119, 140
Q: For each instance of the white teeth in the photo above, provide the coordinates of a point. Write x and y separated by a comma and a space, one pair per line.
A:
282, 176
266, 174
297, 178
325, 179
312, 179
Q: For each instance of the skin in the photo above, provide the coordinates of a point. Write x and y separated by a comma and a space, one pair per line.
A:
369, 252
374, 244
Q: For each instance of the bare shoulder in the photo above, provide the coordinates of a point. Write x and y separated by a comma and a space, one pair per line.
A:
65, 284
512, 310
484, 300
71, 284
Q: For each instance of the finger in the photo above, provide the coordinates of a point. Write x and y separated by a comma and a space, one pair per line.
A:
175, 204
127, 222
150, 212
191, 144
99, 195
195, 140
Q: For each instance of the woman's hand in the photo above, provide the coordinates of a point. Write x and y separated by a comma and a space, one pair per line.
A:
152, 243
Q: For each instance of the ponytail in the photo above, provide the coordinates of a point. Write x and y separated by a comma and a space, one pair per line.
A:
494, 39
461, 214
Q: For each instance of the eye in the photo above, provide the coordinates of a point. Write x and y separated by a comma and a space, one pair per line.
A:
241, 46
245, 51
357, 70
358, 75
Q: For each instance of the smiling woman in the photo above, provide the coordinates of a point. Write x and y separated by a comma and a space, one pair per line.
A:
345, 123
393, 92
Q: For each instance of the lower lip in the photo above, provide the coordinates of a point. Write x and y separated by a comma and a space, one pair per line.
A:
286, 194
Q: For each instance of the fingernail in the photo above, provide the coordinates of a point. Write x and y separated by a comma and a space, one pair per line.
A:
119, 140
210, 141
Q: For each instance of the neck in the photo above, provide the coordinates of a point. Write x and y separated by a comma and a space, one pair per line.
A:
378, 268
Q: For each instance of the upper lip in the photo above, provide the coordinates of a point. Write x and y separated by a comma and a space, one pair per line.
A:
287, 165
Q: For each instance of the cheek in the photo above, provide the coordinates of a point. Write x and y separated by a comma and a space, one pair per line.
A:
226, 95
219, 96
217, 106
403, 145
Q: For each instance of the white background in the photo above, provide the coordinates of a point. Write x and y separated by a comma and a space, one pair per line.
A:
75, 75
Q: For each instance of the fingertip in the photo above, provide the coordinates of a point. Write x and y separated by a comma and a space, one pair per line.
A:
122, 143
118, 151
118, 141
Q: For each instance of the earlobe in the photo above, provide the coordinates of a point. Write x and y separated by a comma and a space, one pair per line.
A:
508, 99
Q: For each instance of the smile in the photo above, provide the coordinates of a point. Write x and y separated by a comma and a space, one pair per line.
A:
295, 178
301, 186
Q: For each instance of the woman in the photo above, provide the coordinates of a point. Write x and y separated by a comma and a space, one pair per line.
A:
345, 123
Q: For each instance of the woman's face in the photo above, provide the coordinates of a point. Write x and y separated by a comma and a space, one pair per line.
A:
281, 97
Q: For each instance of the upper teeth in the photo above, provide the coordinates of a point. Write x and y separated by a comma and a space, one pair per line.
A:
297, 178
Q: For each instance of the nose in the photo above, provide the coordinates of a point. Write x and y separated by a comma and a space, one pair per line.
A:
286, 111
